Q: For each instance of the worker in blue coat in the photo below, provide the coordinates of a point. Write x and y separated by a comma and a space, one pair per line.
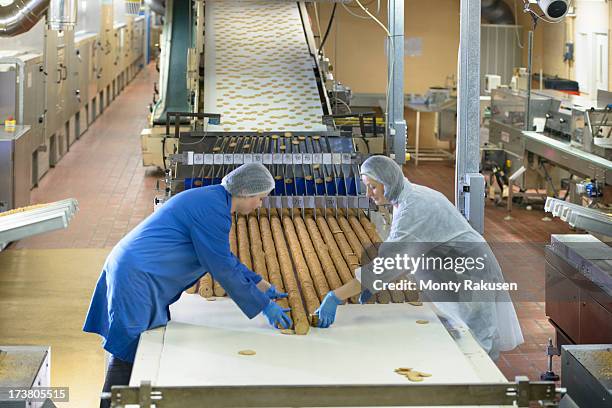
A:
167, 253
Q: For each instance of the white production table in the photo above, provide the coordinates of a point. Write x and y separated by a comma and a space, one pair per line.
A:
200, 345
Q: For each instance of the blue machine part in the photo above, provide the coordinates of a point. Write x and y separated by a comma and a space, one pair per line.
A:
310, 186
592, 189
340, 185
279, 186
320, 187
331, 185
289, 187
351, 185
300, 185
194, 182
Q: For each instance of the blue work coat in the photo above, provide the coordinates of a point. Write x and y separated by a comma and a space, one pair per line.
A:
165, 254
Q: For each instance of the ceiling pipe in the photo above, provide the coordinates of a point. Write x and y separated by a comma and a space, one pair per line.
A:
20, 16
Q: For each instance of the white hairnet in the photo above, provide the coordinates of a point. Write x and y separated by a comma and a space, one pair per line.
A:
248, 180
387, 172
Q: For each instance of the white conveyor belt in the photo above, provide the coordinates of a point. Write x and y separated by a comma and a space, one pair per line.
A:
200, 347
258, 69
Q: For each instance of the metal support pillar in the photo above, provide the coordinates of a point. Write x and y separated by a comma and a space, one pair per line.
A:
396, 125
528, 123
469, 186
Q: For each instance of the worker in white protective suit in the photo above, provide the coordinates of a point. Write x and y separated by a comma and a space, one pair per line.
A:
425, 222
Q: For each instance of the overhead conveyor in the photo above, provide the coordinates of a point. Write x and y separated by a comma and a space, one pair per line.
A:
177, 38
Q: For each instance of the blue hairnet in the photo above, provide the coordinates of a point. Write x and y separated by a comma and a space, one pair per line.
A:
248, 180
387, 172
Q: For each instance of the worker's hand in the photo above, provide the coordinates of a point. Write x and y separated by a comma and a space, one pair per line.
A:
365, 296
327, 310
272, 293
276, 316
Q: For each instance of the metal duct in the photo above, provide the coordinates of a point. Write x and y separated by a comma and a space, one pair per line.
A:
62, 15
21, 15
497, 12
158, 6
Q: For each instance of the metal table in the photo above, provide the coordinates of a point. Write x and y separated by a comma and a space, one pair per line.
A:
418, 108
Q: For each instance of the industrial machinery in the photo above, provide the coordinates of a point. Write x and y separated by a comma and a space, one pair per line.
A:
240, 82
277, 112
559, 151
27, 368
14, 169
58, 82
578, 276
22, 82
586, 375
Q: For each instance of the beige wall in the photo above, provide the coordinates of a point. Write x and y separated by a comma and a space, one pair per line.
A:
356, 46
356, 49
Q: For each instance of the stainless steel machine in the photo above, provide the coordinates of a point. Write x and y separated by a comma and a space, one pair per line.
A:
579, 276
27, 368
22, 81
563, 145
53, 81
15, 159
586, 376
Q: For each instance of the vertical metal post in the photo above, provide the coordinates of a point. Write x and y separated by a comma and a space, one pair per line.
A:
469, 187
396, 125
529, 69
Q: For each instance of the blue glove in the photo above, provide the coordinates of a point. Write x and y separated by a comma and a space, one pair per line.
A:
365, 296
276, 316
272, 293
327, 310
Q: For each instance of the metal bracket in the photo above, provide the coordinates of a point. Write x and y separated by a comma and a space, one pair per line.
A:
144, 396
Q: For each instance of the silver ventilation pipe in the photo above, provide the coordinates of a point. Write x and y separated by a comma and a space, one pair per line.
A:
21, 15
62, 15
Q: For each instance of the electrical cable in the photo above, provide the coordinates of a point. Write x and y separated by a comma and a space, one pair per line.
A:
331, 20
316, 11
348, 10
344, 103
373, 17
518, 37
391, 58
353, 14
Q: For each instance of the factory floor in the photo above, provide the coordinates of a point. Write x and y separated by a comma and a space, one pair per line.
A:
46, 281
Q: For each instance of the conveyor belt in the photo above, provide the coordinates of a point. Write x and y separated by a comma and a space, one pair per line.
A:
259, 73
174, 96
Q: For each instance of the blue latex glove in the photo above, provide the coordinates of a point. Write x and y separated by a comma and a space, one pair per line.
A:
365, 296
276, 316
327, 310
272, 293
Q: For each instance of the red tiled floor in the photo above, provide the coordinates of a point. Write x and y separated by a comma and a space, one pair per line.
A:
519, 251
104, 172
